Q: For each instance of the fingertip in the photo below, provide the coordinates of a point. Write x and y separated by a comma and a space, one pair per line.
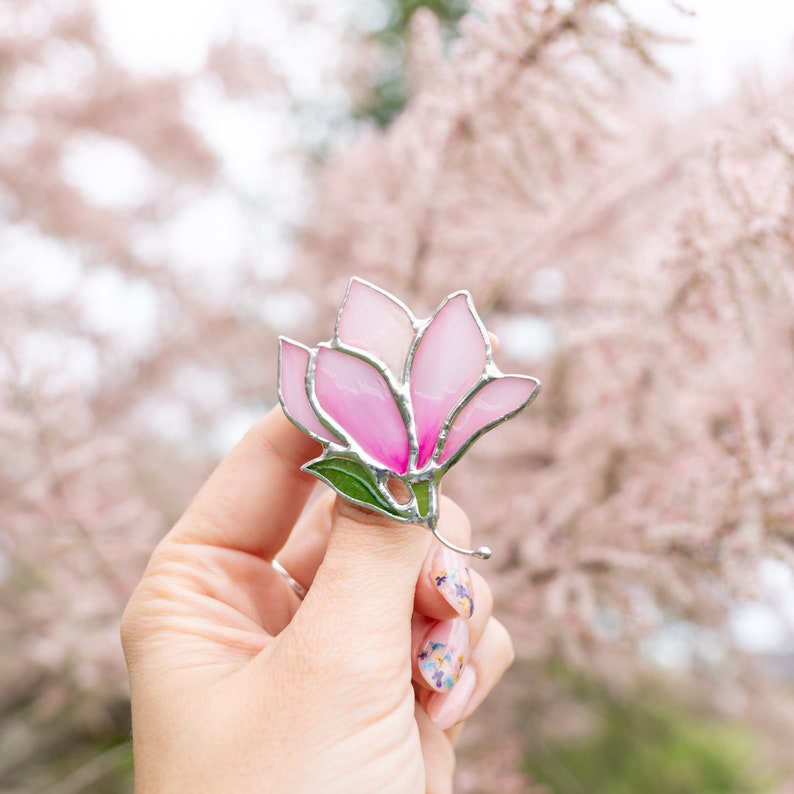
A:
449, 579
253, 498
447, 709
441, 649
490, 658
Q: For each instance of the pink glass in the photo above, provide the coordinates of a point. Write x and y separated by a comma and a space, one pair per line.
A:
357, 398
392, 396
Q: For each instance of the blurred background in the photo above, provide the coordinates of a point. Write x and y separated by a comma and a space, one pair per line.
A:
181, 182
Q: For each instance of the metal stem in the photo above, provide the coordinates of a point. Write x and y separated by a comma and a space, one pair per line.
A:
483, 552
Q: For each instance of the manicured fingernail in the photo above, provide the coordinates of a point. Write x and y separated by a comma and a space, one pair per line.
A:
453, 579
442, 658
448, 709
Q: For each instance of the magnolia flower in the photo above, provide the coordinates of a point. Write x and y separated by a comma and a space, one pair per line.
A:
392, 397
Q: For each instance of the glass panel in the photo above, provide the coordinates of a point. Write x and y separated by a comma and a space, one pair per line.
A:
376, 323
355, 395
488, 407
449, 361
294, 360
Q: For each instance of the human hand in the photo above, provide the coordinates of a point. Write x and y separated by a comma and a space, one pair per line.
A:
238, 686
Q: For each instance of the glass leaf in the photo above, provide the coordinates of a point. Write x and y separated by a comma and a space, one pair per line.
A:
353, 480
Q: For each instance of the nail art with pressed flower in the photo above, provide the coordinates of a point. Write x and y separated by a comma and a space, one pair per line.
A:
453, 579
443, 655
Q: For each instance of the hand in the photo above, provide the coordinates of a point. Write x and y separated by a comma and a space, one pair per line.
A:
238, 686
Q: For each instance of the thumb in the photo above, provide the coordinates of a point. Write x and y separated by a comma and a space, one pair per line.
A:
362, 595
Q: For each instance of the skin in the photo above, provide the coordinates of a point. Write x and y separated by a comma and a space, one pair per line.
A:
238, 686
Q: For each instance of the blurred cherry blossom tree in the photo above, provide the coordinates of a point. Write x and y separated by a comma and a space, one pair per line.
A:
643, 270
136, 271
641, 266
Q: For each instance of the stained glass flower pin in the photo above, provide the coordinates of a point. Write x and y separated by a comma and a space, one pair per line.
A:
393, 398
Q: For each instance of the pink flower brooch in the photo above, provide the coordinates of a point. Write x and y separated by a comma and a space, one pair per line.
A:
391, 397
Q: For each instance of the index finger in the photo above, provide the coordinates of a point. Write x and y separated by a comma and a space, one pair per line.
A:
252, 500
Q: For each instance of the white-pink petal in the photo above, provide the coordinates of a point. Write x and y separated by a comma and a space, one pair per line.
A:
373, 321
497, 399
293, 362
448, 362
356, 396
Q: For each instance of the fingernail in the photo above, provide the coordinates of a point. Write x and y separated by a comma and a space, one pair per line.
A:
446, 710
442, 658
453, 579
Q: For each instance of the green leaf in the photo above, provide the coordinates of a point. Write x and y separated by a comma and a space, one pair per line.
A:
353, 480
421, 491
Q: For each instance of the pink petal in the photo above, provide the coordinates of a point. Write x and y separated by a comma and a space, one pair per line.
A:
293, 362
494, 401
356, 396
450, 359
376, 323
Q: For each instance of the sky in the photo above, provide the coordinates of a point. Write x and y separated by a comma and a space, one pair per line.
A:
728, 37
728, 40
173, 35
